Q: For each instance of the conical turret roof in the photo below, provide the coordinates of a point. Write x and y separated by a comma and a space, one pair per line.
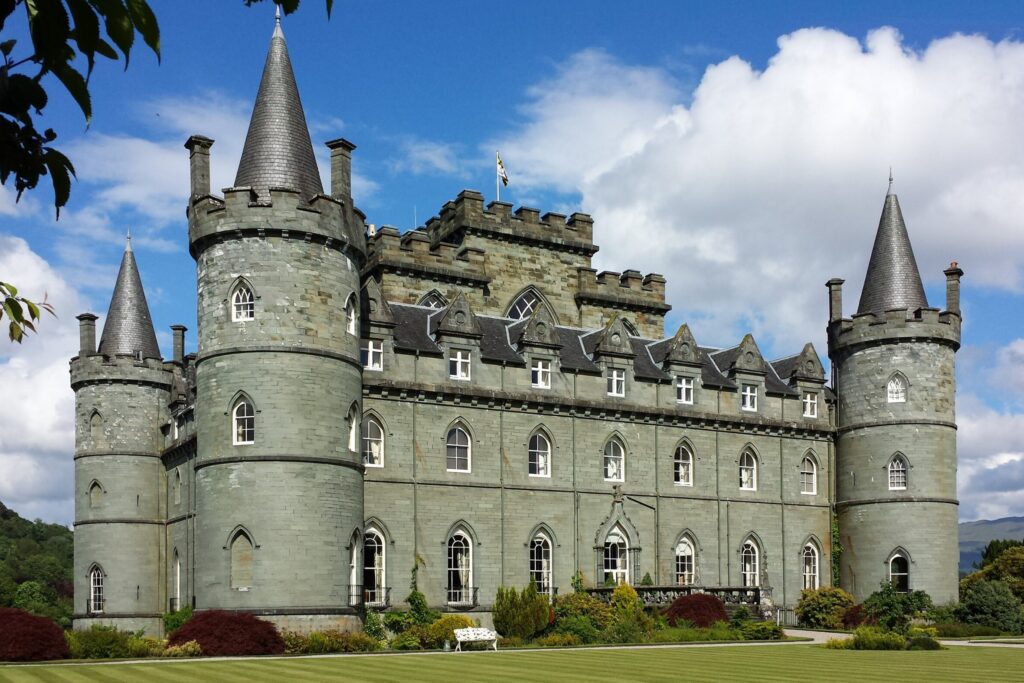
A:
128, 327
892, 280
278, 151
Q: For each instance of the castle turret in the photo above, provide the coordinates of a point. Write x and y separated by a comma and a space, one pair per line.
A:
121, 394
894, 376
278, 475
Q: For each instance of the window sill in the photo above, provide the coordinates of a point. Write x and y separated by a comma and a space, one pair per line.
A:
368, 368
748, 410
897, 488
377, 467
243, 443
458, 379
808, 493
683, 483
540, 476
747, 488
460, 471
540, 386
615, 481
684, 403
617, 395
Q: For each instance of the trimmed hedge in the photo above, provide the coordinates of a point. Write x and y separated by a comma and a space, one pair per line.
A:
699, 609
221, 633
25, 637
824, 607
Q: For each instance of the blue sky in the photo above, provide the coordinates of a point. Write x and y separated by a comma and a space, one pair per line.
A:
739, 148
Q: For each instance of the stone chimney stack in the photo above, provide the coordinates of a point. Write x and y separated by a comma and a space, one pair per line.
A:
86, 334
835, 299
179, 342
341, 169
199, 164
953, 275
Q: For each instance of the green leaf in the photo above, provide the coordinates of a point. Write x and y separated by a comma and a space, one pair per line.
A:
330, 6
76, 85
49, 27
33, 310
7, 46
27, 324
13, 309
87, 28
15, 333
61, 170
10, 288
106, 49
118, 24
145, 22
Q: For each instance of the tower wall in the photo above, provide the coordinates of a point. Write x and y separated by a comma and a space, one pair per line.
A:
920, 521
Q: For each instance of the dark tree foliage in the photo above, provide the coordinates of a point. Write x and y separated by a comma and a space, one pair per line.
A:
36, 562
226, 634
699, 609
26, 637
996, 548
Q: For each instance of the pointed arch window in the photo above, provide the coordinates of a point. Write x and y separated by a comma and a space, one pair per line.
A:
899, 572
241, 562
374, 590
748, 472
373, 443
808, 476
898, 473
95, 495
353, 427
460, 569
350, 314
96, 428
177, 487
539, 456
809, 567
434, 300
524, 305
750, 557
614, 461
896, 389
459, 450
616, 558
97, 598
682, 466
243, 304
244, 418
540, 564
686, 574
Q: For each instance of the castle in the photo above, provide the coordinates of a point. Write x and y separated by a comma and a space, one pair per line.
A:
473, 399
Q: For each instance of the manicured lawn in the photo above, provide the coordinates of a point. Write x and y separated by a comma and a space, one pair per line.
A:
753, 663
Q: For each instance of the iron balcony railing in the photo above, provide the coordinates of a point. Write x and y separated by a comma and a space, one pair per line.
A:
462, 597
654, 596
377, 598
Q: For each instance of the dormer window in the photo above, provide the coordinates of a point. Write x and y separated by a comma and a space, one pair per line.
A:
372, 354
748, 397
459, 365
243, 305
540, 374
810, 402
616, 382
684, 390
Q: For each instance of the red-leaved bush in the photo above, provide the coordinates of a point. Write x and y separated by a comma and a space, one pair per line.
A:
222, 633
700, 609
25, 637
855, 616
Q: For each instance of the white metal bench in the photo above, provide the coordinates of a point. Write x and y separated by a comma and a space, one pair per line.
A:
475, 635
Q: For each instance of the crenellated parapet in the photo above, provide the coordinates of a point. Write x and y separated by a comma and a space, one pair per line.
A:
628, 290
122, 368
896, 325
414, 253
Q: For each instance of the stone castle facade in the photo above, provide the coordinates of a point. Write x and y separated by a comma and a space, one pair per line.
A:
473, 399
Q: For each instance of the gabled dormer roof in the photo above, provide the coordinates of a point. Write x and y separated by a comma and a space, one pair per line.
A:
743, 358
129, 327
540, 329
683, 348
892, 280
613, 340
375, 308
803, 366
278, 152
458, 319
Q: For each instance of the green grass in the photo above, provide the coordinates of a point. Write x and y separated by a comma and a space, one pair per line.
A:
748, 663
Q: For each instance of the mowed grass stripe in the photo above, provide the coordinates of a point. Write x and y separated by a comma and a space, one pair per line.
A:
754, 663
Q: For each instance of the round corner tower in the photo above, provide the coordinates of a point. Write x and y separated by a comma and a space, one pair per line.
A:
279, 481
893, 368
121, 396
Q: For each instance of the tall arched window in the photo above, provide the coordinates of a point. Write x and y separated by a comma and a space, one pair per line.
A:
899, 573
353, 427
460, 569
616, 558
540, 563
244, 417
614, 461
373, 443
177, 487
809, 567
433, 300
241, 562
748, 471
95, 495
682, 466
539, 456
96, 595
459, 450
897, 473
524, 305
243, 304
350, 315
750, 574
896, 389
374, 590
808, 476
96, 428
685, 563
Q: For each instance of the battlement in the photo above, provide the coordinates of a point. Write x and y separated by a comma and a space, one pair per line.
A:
896, 324
467, 212
122, 368
414, 251
628, 289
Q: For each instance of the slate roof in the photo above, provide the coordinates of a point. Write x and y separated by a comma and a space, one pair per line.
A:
278, 151
892, 280
129, 327
415, 327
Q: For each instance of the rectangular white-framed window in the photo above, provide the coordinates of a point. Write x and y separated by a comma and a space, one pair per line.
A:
684, 390
748, 397
810, 402
372, 354
540, 374
616, 382
459, 365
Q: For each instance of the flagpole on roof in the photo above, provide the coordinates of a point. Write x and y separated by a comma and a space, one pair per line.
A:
497, 175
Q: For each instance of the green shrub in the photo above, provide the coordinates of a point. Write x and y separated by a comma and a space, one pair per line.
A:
434, 636
408, 639
520, 613
583, 605
924, 643
328, 642
823, 608
98, 642
647, 580
397, 622
630, 624
839, 644
175, 620
580, 627
558, 640
513, 642
419, 611
187, 649
942, 614
762, 630
1008, 567
719, 631
960, 630
144, 646
373, 626
927, 631
739, 617
874, 638
294, 642
506, 612
992, 603
892, 610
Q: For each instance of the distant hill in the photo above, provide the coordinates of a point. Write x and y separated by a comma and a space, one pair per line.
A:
974, 536
35, 566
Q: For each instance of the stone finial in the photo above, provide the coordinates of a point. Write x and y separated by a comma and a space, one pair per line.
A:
458, 319
540, 329
683, 348
748, 357
375, 308
613, 340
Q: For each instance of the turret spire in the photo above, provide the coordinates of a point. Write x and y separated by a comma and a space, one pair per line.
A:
892, 280
129, 328
278, 151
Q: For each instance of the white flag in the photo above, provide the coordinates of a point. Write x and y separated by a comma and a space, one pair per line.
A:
501, 170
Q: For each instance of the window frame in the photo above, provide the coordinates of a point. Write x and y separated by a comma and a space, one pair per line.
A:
678, 463
751, 467
238, 428
369, 423
541, 567
528, 300
616, 538
750, 577
372, 349
684, 390
810, 580
377, 595
898, 468
896, 389
459, 360
812, 473
616, 382
351, 315
685, 563
468, 446
234, 574
243, 304
608, 458
540, 373
97, 587
533, 463
810, 404
748, 397
905, 574
454, 570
